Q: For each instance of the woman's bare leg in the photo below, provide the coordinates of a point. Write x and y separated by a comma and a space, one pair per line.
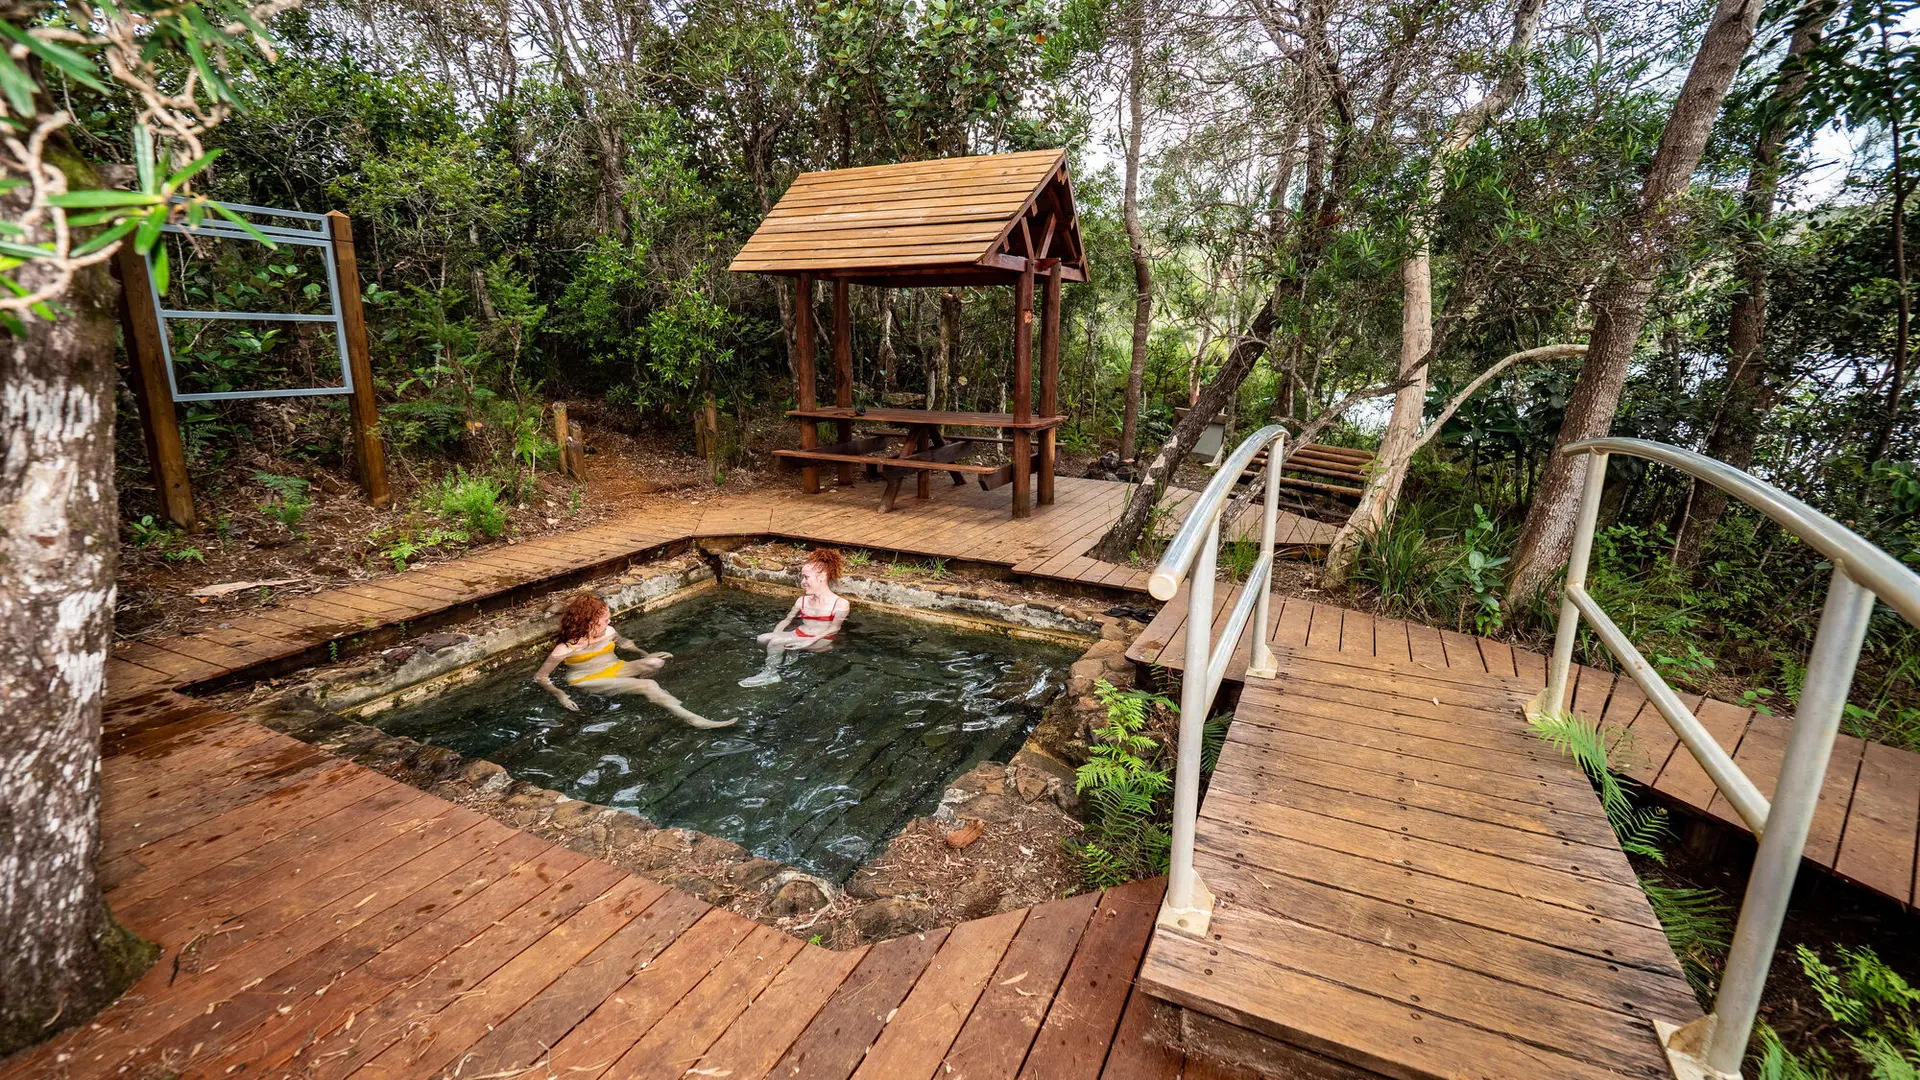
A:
657, 694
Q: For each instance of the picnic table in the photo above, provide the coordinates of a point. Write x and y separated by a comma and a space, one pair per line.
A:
924, 448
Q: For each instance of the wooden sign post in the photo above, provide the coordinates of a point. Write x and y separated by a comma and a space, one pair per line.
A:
369, 454
159, 423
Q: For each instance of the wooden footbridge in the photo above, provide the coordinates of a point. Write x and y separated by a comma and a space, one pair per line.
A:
1409, 885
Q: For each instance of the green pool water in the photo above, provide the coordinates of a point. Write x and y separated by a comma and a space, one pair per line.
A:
820, 770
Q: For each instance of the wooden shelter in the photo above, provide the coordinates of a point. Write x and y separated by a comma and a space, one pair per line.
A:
1002, 219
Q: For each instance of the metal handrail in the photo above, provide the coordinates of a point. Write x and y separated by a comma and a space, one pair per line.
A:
1193, 554
1714, 1045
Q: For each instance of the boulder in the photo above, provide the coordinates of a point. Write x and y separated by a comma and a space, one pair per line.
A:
893, 917
1104, 648
574, 814
626, 830
797, 897
993, 809
436, 761
485, 776
436, 642
753, 873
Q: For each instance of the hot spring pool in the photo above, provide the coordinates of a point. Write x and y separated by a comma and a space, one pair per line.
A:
820, 770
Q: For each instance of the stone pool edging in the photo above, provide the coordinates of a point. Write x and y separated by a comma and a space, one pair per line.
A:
1029, 798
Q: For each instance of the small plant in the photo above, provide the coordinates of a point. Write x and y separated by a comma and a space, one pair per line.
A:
1575, 737
148, 532
937, 569
1876, 1009
1125, 783
1479, 569
185, 554
895, 569
407, 542
469, 501
573, 502
859, 557
1240, 555
1698, 924
292, 497
333, 650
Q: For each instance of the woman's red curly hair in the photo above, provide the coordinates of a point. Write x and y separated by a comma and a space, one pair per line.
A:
829, 562
576, 622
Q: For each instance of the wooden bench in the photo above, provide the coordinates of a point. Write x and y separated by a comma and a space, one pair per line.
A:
927, 448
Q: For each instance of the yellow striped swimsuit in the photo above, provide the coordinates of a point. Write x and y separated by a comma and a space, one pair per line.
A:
577, 663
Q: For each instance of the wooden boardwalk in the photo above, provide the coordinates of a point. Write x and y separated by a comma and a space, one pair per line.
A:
962, 523
321, 920
1867, 827
1410, 883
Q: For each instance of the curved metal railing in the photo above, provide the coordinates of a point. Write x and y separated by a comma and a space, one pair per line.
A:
1193, 555
1714, 1045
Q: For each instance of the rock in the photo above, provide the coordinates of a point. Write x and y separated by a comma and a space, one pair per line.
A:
575, 814
1104, 648
1088, 669
988, 776
1112, 632
1031, 787
399, 656
713, 849
392, 749
994, 809
977, 900
797, 897
753, 873
527, 796
485, 776
436, 761
626, 830
893, 917
1117, 664
860, 888
433, 643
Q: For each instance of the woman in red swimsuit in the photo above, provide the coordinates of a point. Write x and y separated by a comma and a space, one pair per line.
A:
815, 619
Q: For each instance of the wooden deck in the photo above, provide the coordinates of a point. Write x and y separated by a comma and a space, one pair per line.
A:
321, 920
1408, 882
1868, 823
963, 524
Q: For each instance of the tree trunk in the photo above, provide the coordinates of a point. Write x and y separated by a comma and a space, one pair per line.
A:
1120, 540
1389, 471
940, 387
1620, 303
61, 955
1903, 322
885, 355
1136, 242
1752, 381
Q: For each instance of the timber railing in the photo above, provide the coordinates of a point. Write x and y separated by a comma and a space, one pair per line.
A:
1714, 1045
1193, 554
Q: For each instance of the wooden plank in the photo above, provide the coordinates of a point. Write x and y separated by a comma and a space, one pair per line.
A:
1081, 1023
624, 1018
1324, 631
1425, 644
756, 1041
1531, 666
1356, 634
152, 389
1761, 750
833, 1045
914, 1041
369, 456
683, 1035
1462, 651
1876, 848
1131, 1056
1683, 779
997, 1034
1390, 642
1836, 796
1498, 657
522, 1039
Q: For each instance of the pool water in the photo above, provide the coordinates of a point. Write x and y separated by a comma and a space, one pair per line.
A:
820, 770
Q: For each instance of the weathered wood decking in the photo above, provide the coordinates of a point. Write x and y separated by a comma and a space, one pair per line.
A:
321, 920
964, 524
1865, 830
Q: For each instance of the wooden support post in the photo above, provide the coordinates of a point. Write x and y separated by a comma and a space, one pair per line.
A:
843, 369
803, 359
1023, 392
147, 372
1049, 374
367, 449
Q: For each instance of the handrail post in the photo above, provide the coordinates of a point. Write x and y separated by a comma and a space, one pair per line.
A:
1188, 907
1556, 697
1823, 699
1261, 665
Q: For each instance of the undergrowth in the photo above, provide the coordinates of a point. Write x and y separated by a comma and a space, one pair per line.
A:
1877, 1011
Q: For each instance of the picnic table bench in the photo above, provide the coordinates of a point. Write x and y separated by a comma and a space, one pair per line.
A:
925, 449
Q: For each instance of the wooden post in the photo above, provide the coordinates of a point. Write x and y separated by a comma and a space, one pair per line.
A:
369, 453
843, 370
1023, 393
1049, 376
159, 424
803, 344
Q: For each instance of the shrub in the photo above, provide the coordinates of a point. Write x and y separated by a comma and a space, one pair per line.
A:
1124, 784
292, 497
470, 501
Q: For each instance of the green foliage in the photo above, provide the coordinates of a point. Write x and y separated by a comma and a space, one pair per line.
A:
1638, 829
400, 544
1425, 570
151, 532
1698, 924
1125, 784
1876, 1009
290, 500
469, 501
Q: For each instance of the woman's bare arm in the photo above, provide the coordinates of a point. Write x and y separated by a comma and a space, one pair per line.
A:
792, 614
544, 677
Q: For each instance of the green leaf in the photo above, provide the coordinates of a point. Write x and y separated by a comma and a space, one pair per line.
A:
24, 251
160, 272
143, 156
96, 217
106, 238
12, 324
78, 68
243, 223
149, 233
18, 85
189, 170
100, 197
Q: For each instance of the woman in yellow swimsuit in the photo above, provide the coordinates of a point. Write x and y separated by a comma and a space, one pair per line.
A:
587, 647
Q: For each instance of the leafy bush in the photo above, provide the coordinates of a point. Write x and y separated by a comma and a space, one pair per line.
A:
292, 497
470, 501
1125, 784
1877, 1010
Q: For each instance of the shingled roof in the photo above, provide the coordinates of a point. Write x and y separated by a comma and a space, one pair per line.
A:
966, 221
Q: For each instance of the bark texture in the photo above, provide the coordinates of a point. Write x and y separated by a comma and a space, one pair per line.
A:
61, 956
1136, 238
1397, 444
1753, 378
1620, 303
